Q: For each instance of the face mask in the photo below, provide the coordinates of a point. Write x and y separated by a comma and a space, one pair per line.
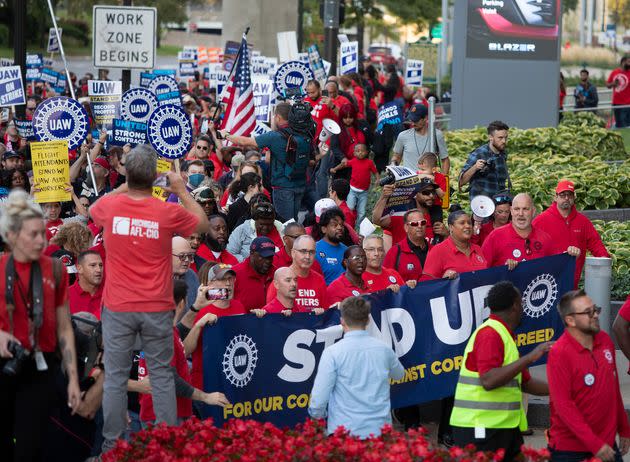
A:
195, 179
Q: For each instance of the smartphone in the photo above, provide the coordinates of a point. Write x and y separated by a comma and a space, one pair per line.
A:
161, 181
217, 294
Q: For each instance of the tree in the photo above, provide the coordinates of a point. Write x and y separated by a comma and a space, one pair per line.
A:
422, 13
620, 12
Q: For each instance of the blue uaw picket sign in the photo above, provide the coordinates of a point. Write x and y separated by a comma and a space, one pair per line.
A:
166, 90
61, 118
138, 104
170, 132
292, 74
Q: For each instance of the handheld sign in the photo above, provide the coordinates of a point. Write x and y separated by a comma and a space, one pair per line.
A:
53, 43
25, 128
166, 90
170, 132
349, 57
263, 90
145, 79
49, 76
61, 118
34, 65
105, 96
292, 75
163, 166
317, 63
124, 36
413, 72
138, 104
128, 131
407, 184
11, 87
51, 170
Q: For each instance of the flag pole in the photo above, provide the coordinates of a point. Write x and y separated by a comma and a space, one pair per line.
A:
238, 54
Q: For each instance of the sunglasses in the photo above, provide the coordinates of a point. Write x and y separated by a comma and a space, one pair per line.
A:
203, 148
502, 200
528, 248
427, 192
590, 312
417, 223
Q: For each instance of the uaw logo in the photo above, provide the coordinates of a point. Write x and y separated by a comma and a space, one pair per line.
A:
239, 360
166, 90
292, 74
169, 131
61, 118
138, 104
540, 295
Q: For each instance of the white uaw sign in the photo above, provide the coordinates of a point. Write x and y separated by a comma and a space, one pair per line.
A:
124, 37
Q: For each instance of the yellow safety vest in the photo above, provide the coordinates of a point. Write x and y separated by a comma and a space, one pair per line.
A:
498, 408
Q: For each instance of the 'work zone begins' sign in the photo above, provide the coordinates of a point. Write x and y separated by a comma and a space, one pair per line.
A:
124, 37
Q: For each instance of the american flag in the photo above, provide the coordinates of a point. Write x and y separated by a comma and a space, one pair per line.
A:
240, 115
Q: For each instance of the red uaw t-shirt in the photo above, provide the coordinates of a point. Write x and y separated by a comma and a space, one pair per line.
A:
341, 288
376, 282
362, 170
311, 293
621, 93
137, 236
504, 243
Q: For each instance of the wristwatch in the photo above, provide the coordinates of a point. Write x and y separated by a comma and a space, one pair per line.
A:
193, 309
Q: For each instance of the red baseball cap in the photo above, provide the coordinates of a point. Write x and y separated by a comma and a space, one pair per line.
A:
102, 162
565, 185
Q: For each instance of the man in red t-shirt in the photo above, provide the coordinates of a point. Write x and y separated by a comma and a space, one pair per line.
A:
488, 368
567, 227
285, 283
323, 107
214, 247
254, 275
408, 255
311, 286
619, 81
86, 293
520, 240
138, 293
585, 403
376, 277
338, 192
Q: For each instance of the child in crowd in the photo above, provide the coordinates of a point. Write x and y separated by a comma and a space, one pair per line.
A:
428, 168
362, 169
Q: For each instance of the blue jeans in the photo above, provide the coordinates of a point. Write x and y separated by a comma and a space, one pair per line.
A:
287, 202
573, 456
358, 201
622, 117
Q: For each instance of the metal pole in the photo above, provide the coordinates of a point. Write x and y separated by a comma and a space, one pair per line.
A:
589, 22
300, 24
582, 18
63, 54
444, 42
331, 29
432, 122
126, 73
19, 45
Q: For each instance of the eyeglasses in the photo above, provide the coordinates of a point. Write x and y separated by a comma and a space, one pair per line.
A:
305, 252
357, 258
203, 148
417, 223
528, 249
427, 192
293, 237
374, 249
566, 195
591, 312
184, 256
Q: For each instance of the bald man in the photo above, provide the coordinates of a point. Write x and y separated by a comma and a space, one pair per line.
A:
285, 283
182, 257
520, 240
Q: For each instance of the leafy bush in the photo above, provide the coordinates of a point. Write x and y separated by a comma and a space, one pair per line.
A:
4, 35
248, 440
616, 237
76, 29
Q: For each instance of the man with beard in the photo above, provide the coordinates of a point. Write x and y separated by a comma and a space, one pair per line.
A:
586, 408
425, 202
329, 250
323, 106
486, 168
520, 240
619, 81
585, 92
182, 257
285, 283
409, 254
86, 293
254, 274
568, 227
214, 247
311, 286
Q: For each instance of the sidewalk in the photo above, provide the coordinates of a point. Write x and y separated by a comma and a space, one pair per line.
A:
538, 413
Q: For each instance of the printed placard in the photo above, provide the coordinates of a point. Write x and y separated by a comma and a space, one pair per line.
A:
163, 166
128, 132
170, 131
51, 170
61, 118
263, 91
25, 129
138, 104
166, 90
105, 97
292, 75
53, 43
11, 86
414, 72
349, 57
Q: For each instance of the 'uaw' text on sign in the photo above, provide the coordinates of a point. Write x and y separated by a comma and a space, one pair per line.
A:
266, 366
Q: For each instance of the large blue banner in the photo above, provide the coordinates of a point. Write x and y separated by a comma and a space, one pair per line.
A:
266, 366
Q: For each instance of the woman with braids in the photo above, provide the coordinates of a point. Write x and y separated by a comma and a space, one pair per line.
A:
291, 149
34, 324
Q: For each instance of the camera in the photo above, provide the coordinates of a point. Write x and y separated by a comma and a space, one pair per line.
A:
14, 365
490, 165
386, 179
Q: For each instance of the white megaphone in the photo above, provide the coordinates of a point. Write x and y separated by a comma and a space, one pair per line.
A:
482, 207
329, 128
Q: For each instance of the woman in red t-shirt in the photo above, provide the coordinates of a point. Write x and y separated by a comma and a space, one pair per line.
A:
33, 330
351, 133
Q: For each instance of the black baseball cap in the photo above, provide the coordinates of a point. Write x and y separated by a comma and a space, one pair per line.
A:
417, 112
10, 154
264, 246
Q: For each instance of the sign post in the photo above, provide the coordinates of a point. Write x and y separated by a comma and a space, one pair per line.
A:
124, 37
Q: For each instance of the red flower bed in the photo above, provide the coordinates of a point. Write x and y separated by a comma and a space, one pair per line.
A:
251, 441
